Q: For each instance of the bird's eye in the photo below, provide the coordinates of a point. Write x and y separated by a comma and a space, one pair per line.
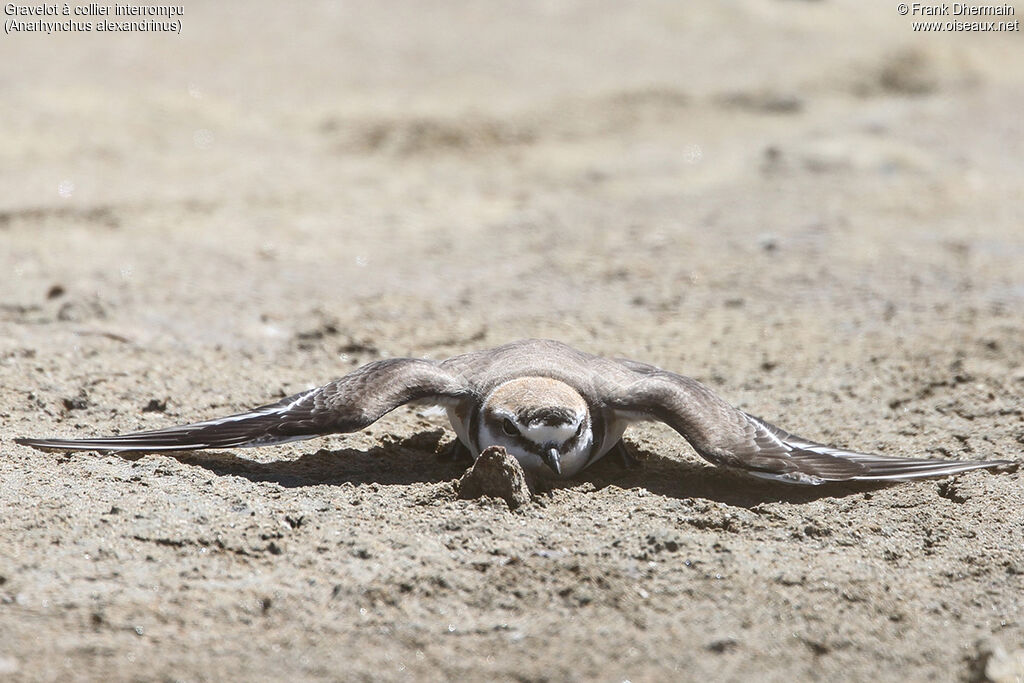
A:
509, 427
579, 430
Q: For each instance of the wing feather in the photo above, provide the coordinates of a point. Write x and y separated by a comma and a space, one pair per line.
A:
345, 405
725, 435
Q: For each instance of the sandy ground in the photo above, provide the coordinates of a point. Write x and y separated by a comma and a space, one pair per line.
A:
806, 205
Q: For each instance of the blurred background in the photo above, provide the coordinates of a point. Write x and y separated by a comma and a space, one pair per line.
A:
550, 164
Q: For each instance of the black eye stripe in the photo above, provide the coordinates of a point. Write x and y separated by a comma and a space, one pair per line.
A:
509, 427
578, 436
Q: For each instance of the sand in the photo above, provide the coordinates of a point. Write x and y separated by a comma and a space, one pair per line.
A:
808, 206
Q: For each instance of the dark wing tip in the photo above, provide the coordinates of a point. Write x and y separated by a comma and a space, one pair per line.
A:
126, 442
837, 468
44, 444
773, 453
879, 468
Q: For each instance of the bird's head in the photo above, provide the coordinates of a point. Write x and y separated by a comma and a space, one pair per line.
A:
544, 423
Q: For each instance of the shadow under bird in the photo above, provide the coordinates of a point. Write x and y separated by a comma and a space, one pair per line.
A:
555, 409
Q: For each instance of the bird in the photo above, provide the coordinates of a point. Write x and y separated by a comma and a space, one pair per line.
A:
555, 409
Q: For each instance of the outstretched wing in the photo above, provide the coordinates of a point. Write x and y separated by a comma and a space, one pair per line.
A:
345, 405
728, 436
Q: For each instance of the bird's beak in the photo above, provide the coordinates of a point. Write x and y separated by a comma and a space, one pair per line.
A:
552, 460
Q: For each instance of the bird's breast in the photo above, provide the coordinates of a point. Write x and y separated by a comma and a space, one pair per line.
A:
462, 416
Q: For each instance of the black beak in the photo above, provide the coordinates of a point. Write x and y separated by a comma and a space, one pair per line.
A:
552, 460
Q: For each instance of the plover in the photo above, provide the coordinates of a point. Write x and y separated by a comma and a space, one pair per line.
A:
555, 409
